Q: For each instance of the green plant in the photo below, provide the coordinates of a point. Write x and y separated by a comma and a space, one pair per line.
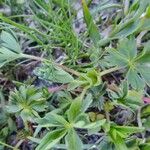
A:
75, 82
126, 97
74, 119
126, 56
119, 133
26, 102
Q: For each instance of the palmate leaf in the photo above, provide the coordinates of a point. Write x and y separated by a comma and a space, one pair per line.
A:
136, 21
125, 52
9, 48
26, 102
137, 65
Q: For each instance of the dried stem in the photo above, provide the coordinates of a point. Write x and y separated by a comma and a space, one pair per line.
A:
43, 59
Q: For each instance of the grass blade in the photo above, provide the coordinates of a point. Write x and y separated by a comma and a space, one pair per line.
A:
92, 28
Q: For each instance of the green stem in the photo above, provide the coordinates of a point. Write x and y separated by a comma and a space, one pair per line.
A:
2, 102
140, 123
64, 67
43, 59
9, 146
83, 93
109, 71
126, 6
18, 144
33, 57
26, 125
107, 116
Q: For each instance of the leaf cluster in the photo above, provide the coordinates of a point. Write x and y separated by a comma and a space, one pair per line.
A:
97, 86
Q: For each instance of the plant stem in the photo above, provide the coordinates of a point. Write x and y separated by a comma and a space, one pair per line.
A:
126, 6
26, 125
109, 71
9, 146
64, 67
83, 93
33, 57
68, 69
139, 121
18, 144
43, 59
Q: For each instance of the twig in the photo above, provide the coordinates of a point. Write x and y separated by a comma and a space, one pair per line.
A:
43, 59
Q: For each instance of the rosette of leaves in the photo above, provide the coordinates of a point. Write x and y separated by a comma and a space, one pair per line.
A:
26, 102
86, 80
64, 127
53, 73
137, 65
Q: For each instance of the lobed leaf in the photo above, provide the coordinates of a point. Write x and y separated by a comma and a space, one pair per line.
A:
126, 56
